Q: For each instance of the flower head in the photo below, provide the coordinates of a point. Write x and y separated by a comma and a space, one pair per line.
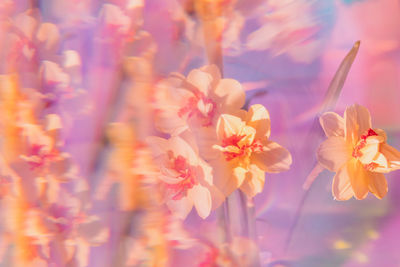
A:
195, 101
357, 153
247, 151
185, 178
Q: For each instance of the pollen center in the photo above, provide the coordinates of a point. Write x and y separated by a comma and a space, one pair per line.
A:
184, 174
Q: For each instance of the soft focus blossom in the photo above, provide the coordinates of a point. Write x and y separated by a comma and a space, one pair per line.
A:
357, 153
247, 151
186, 177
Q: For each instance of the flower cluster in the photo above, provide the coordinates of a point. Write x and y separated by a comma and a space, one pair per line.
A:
215, 147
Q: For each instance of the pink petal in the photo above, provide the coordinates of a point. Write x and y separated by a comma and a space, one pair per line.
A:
201, 199
201, 80
332, 124
230, 93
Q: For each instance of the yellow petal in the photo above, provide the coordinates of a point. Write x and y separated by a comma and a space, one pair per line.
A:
358, 120
230, 93
254, 182
228, 125
274, 158
358, 178
248, 134
227, 178
341, 186
201, 199
332, 124
377, 184
258, 118
333, 153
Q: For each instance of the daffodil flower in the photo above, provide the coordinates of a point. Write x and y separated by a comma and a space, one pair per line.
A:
246, 151
185, 177
357, 153
195, 101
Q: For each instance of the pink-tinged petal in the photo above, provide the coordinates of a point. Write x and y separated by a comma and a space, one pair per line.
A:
274, 158
113, 17
213, 70
358, 120
48, 34
392, 155
358, 178
180, 147
228, 125
254, 182
258, 118
333, 153
168, 121
52, 74
230, 93
206, 171
206, 138
181, 207
53, 122
332, 124
377, 184
157, 145
201, 80
201, 200
71, 58
341, 186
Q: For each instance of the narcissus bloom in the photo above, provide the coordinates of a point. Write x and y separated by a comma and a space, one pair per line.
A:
185, 177
195, 101
247, 151
357, 153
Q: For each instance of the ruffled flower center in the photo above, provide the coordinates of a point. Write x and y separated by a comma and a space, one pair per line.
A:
184, 175
234, 147
200, 107
357, 151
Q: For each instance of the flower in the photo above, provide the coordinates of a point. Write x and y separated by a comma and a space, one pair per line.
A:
195, 101
357, 153
247, 151
185, 177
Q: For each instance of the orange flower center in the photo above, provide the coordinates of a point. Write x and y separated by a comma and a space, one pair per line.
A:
363, 141
186, 176
200, 107
240, 150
